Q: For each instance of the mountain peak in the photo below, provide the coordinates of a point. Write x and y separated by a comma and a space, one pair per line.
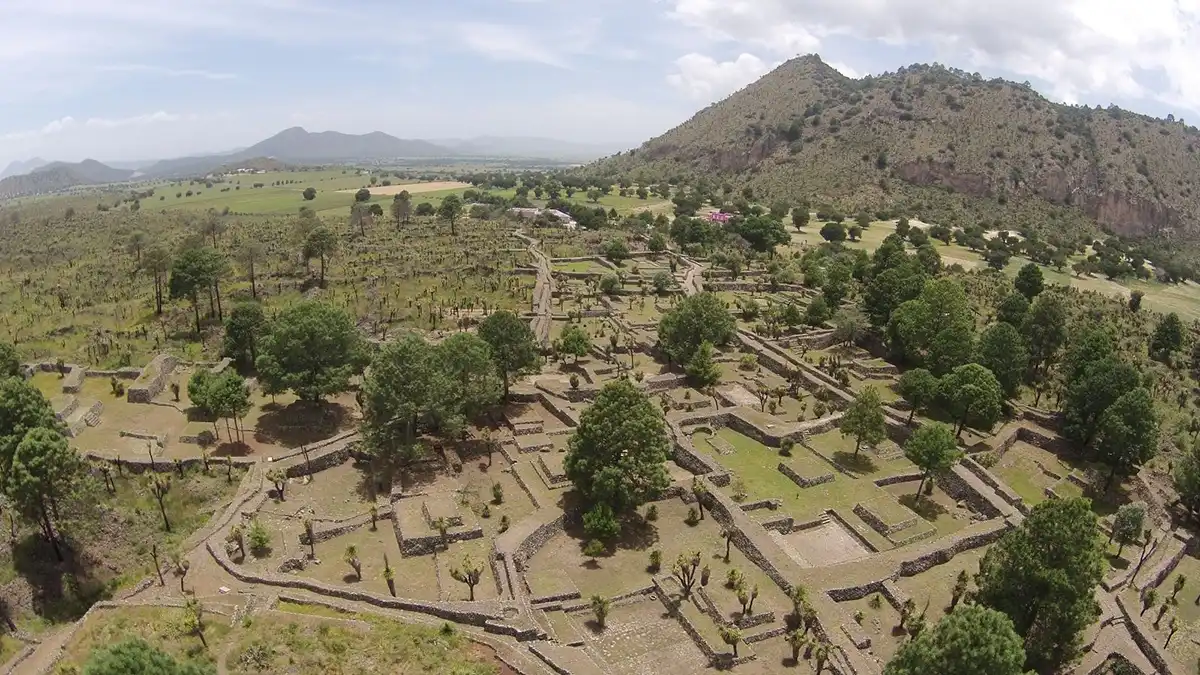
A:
938, 142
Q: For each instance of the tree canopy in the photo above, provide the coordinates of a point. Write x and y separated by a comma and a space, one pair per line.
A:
1029, 281
243, 329
1002, 351
22, 408
972, 396
514, 350
10, 361
968, 641
696, 319
1043, 575
864, 419
615, 457
933, 448
312, 349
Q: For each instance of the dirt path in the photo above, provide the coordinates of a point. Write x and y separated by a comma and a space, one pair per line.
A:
543, 290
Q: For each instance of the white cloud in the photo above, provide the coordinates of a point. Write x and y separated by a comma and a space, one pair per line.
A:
1081, 48
165, 72
507, 43
68, 124
704, 78
845, 70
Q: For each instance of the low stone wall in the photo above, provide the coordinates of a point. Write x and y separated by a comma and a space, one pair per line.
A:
63, 413
991, 481
899, 478
89, 418
326, 530
516, 475
536, 540
801, 480
73, 382
220, 366
871, 518
957, 544
424, 545
961, 491
153, 379
1165, 567
1141, 634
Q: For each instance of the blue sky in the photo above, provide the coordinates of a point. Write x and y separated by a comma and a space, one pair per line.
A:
138, 79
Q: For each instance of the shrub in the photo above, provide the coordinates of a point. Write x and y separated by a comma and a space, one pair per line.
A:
652, 513
259, 539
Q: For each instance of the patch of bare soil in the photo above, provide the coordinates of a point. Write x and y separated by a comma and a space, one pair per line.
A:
413, 188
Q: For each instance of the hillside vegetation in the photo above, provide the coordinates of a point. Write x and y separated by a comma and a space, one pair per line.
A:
939, 143
59, 176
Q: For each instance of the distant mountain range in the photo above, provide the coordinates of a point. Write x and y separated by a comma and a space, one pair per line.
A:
18, 167
60, 176
294, 146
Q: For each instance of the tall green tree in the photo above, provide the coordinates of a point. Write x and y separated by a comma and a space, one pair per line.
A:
1187, 480
972, 396
1127, 436
702, 371
864, 419
320, 244
971, 640
1092, 387
1029, 281
1043, 576
892, 284
920, 388
696, 319
312, 349
1127, 525
574, 341
250, 254
449, 210
157, 261
472, 383
228, 398
615, 457
195, 271
402, 207
934, 449
403, 393
514, 349
137, 657
10, 361
22, 408
1167, 337
1045, 330
1013, 310
43, 470
1002, 351
243, 329
936, 329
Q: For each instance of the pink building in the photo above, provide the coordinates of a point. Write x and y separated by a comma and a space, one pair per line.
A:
718, 217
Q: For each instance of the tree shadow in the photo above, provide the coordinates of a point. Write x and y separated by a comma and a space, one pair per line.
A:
350, 578
300, 423
863, 463
62, 591
1117, 562
926, 507
232, 449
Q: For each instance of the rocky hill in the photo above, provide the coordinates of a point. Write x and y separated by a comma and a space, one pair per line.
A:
61, 176
940, 143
